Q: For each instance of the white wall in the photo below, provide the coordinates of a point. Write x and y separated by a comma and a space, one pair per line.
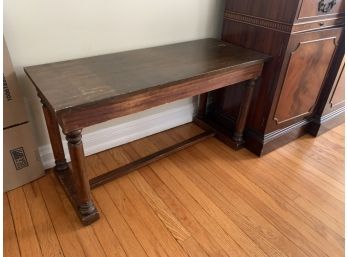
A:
41, 31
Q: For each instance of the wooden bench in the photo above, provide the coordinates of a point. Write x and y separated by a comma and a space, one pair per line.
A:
79, 93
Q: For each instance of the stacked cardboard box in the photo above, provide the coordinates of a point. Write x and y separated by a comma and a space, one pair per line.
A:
21, 160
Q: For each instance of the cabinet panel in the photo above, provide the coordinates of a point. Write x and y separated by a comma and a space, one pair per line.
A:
338, 94
309, 61
312, 8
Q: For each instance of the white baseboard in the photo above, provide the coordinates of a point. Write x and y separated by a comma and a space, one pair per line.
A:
110, 137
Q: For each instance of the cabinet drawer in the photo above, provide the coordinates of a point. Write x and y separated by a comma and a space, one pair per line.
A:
314, 25
318, 8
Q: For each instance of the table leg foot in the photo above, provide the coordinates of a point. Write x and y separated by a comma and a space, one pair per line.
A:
61, 165
238, 139
221, 133
88, 213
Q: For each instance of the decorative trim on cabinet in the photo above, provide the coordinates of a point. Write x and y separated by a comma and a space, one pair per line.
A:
321, 124
315, 25
258, 21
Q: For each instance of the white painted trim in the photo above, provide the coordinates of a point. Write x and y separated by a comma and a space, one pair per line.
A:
110, 137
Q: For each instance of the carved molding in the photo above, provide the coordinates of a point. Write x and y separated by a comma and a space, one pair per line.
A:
74, 137
325, 7
260, 22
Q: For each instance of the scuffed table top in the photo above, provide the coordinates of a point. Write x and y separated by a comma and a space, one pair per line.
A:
78, 82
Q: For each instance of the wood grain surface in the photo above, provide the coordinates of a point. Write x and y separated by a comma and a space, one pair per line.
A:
206, 200
83, 81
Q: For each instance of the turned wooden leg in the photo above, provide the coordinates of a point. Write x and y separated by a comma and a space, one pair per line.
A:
87, 211
243, 113
56, 141
202, 105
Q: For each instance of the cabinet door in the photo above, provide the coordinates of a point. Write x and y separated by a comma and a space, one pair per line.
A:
309, 56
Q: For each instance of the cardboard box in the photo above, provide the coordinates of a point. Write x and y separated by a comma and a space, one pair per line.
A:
21, 159
14, 110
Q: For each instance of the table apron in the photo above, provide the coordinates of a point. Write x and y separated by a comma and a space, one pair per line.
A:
84, 116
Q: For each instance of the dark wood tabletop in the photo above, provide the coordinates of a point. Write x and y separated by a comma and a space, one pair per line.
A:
75, 83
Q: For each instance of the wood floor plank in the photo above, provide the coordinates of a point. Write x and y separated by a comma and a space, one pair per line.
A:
279, 191
285, 174
145, 146
210, 224
193, 249
206, 200
191, 223
161, 233
252, 223
11, 247
132, 217
87, 238
128, 240
162, 211
332, 139
248, 245
118, 225
339, 130
46, 234
332, 174
316, 220
320, 180
255, 171
25, 231
63, 226
147, 214
107, 237
291, 175
295, 227
328, 145
309, 207
335, 135
317, 158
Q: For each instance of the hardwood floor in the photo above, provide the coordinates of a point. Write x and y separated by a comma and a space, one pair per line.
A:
207, 200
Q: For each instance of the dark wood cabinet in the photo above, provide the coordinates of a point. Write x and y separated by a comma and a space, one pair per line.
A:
303, 37
307, 61
329, 111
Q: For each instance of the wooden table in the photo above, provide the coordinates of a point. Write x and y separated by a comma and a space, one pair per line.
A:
79, 93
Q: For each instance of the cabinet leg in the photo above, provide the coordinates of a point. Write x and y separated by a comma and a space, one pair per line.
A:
202, 105
56, 141
243, 113
85, 207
